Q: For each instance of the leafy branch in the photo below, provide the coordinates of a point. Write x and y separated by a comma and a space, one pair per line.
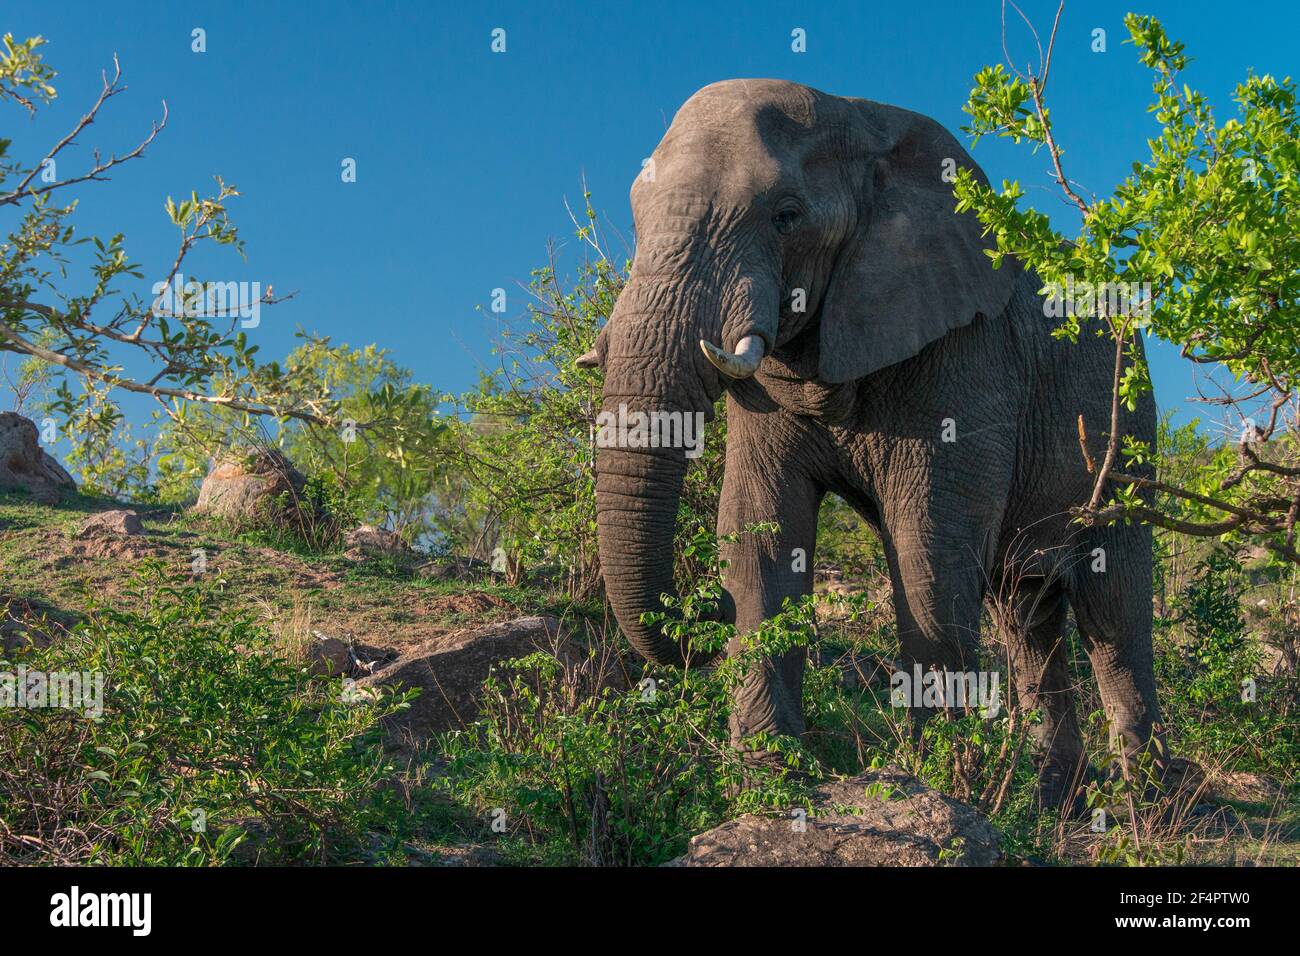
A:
1205, 229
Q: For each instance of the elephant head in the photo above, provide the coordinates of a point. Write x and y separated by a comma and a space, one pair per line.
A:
772, 219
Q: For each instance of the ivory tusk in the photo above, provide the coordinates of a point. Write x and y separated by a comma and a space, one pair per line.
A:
742, 363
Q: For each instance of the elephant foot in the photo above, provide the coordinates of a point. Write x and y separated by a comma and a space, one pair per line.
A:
758, 767
1147, 769
1060, 788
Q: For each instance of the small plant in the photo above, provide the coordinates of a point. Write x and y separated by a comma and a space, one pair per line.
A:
625, 777
210, 748
1222, 707
1133, 814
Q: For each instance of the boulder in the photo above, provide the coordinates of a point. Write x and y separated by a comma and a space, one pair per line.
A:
24, 465
248, 489
111, 523
882, 817
367, 541
450, 670
453, 569
330, 656
1247, 787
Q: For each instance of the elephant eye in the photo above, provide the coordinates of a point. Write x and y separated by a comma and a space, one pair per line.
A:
785, 220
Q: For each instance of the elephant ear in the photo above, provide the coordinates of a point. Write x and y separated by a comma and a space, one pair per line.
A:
913, 269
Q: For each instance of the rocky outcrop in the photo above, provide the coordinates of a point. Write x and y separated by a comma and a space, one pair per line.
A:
24, 465
119, 522
367, 541
250, 489
450, 670
882, 817
453, 569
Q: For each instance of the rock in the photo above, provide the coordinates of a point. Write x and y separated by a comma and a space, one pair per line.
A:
824, 575
110, 523
840, 599
468, 855
450, 670
858, 669
335, 657
24, 465
330, 656
901, 822
1247, 787
367, 541
453, 569
249, 489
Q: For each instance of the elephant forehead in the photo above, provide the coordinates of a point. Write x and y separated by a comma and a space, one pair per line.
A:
738, 133
721, 166
731, 100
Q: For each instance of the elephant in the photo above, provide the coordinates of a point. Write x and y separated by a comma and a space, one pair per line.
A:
801, 253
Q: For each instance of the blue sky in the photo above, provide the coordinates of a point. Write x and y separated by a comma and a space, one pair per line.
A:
465, 157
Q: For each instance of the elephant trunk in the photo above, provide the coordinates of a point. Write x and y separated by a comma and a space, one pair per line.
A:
637, 494
655, 364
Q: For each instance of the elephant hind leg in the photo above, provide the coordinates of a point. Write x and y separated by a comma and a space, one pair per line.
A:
1037, 654
1112, 606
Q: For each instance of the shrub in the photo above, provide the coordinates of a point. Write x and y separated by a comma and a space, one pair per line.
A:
1200, 668
524, 440
210, 748
625, 778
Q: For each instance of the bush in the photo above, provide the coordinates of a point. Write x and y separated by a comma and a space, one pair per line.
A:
1200, 668
524, 441
211, 747
625, 778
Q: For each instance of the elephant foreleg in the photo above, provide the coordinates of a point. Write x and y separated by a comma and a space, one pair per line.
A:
938, 598
763, 570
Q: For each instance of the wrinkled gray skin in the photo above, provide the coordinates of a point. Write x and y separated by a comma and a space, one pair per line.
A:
762, 187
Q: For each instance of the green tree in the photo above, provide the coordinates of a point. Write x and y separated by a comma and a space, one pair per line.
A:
1205, 231
393, 466
186, 349
524, 440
